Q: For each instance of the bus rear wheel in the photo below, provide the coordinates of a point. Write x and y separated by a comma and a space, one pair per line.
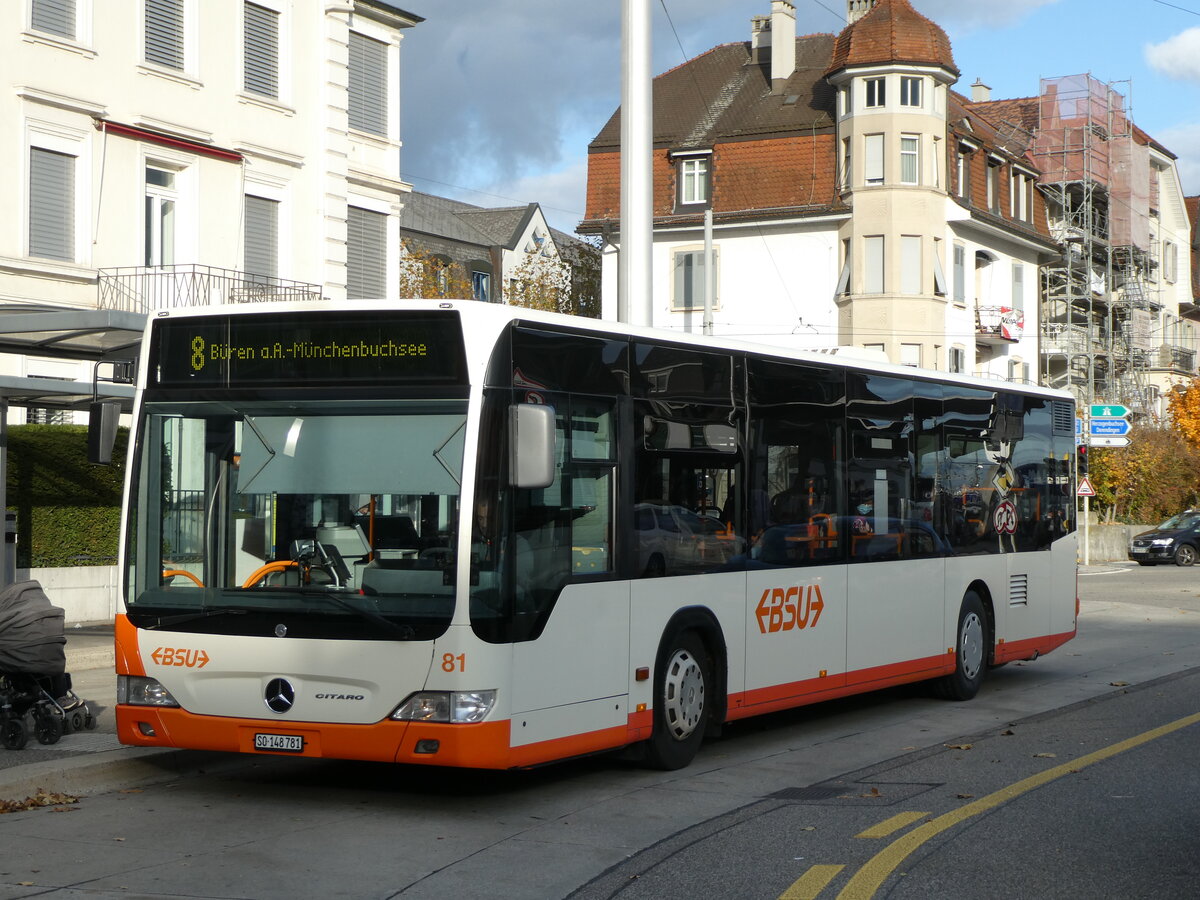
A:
970, 652
682, 685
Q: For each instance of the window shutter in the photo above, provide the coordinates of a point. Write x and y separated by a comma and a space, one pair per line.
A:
873, 268
366, 254
164, 33
368, 84
51, 205
262, 236
1018, 286
874, 159
54, 17
910, 264
689, 280
261, 50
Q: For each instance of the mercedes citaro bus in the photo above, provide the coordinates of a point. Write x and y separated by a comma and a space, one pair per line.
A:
463, 534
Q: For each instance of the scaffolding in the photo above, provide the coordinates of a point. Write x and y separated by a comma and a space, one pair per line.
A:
1099, 311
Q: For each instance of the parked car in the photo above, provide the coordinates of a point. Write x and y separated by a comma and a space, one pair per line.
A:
1176, 540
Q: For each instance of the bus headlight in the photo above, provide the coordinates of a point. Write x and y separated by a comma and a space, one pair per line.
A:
459, 707
137, 691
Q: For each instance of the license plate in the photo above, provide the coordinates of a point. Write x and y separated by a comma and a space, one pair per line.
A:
279, 743
1137, 550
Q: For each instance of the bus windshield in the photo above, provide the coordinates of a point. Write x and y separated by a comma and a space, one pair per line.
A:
334, 518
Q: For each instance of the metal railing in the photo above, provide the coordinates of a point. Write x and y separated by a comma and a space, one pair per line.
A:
143, 289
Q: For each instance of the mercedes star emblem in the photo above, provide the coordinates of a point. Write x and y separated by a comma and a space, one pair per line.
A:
280, 695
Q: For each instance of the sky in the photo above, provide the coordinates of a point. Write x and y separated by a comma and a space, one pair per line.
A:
500, 98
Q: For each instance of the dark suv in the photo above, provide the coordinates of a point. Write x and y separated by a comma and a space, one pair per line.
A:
1176, 540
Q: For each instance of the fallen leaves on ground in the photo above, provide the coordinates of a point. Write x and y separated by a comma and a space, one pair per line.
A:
41, 798
961, 746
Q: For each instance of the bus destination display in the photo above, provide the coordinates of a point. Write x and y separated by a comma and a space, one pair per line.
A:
348, 348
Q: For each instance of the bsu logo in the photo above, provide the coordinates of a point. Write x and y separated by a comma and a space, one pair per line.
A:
785, 609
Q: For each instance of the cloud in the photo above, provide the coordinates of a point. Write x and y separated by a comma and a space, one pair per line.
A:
958, 17
1184, 142
1177, 57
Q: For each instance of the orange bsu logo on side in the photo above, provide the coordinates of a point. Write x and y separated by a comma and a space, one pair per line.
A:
788, 609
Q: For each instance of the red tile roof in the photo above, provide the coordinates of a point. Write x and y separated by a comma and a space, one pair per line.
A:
892, 32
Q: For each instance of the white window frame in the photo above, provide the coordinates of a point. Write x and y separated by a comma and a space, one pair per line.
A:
846, 164
388, 109
696, 253
910, 86
70, 142
875, 92
186, 168
190, 45
910, 159
81, 21
956, 360
481, 278
157, 198
694, 180
1170, 261
277, 190
275, 53
910, 355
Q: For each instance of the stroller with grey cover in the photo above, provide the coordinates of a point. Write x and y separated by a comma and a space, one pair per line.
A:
35, 688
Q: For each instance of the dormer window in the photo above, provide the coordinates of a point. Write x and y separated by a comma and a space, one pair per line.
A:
876, 94
694, 176
910, 91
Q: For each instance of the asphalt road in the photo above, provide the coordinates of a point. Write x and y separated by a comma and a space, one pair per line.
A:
774, 809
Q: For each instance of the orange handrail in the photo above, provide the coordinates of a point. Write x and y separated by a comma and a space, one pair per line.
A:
171, 573
279, 565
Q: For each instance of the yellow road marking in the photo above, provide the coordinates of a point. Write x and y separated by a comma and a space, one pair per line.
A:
871, 876
895, 823
811, 883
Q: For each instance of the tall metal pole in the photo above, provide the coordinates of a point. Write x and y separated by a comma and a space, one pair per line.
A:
710, 274
635, 281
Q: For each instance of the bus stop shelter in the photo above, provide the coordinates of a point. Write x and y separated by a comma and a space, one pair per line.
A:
107, 338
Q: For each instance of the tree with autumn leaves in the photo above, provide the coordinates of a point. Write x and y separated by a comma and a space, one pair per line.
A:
1158, 474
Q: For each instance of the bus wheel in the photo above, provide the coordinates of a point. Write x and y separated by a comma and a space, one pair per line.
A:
682, 682
970, 657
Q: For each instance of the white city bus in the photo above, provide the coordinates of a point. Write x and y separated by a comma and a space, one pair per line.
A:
455, 533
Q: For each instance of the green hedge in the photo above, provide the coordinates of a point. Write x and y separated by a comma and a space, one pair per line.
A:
68, 510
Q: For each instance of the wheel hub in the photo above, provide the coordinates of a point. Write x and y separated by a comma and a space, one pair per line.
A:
684, 693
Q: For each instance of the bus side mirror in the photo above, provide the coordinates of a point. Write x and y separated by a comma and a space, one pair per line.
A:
103, 416
531, 445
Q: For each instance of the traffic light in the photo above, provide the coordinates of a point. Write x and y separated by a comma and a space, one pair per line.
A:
1081, 467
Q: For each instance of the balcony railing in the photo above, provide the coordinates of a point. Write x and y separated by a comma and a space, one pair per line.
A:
143, 289
1179, 359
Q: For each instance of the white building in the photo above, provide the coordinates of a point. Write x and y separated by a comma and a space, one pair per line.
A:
178, 152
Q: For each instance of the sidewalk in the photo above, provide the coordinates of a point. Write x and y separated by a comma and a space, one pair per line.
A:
93, 761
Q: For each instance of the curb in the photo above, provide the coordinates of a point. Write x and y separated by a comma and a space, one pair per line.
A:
110, 770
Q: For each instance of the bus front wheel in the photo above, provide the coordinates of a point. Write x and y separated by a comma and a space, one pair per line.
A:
682, 689
970, 656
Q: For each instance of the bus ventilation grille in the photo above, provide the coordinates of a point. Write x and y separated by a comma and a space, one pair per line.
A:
1018, 590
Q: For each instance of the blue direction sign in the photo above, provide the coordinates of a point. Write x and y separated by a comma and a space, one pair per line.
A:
1108, 411
1109, 426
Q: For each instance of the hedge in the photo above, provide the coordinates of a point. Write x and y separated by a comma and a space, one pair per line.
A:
68, 510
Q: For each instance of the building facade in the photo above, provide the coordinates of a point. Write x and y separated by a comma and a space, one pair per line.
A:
858, 199
170, 152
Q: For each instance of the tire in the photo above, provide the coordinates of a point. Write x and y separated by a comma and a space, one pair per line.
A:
970, 652
1185, 555
48, 729
682, 690
14, 734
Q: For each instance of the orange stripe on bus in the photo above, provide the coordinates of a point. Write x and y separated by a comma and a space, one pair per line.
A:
815, 690
1027, 649
125, 647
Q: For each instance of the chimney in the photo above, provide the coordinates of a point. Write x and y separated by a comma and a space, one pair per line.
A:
760, 40
856, 9
980, 92
783, 42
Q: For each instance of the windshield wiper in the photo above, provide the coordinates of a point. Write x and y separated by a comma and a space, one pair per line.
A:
163, 621
403, 632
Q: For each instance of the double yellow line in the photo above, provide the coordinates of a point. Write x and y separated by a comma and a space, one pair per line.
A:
871, 876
